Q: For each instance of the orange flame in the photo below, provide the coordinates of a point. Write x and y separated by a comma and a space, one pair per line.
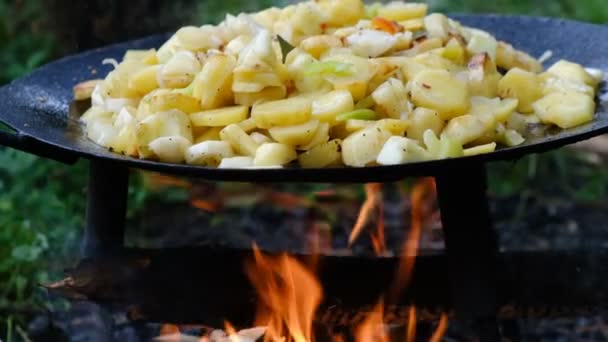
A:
169, 329
422, 189
289, 295
372, 203
441, 329
373, 329
204, 205
411, 325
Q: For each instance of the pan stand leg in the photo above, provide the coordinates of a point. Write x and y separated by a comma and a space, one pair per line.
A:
106, 208
471, 247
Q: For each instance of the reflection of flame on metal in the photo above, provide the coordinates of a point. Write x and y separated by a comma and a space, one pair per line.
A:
372, 204
288, 295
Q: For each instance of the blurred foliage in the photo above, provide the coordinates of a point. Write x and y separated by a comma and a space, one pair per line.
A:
588, 10
42, 203
24, 43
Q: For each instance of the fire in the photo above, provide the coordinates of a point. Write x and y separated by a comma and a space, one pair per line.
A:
441, 329
421, 191
373, 203
289, 295
411, 325
373, 328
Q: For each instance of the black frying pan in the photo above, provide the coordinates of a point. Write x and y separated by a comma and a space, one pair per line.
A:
38, 107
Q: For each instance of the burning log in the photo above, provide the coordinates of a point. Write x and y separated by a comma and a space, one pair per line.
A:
209, 286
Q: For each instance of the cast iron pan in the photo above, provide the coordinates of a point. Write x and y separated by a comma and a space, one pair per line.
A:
38, 107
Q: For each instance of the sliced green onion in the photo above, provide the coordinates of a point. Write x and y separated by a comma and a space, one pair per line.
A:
360, 114
372, 11
329, 68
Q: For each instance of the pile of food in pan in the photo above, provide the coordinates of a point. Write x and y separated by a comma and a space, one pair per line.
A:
331, 83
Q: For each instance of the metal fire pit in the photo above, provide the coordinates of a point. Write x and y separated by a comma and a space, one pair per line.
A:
39, 109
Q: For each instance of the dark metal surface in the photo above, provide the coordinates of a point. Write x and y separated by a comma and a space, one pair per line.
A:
190, 286
37, 106
106, 208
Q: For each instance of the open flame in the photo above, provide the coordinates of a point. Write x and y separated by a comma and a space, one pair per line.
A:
289, 292
288, 295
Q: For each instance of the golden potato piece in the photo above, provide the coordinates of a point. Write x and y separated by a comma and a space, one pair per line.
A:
220, 117
322, 155
274, 154
566, 110
292, 111
522, 85
441, 91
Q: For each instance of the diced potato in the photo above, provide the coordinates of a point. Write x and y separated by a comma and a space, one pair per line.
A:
236, 163
482, 42
442, 148
399, 150
213, 85
412, 25
162, 102
423, 119
211, 133
174, 123
354, 125
209, 153
465, 129
483, 76
511, 138
485, 109
273, 154
342, 12
554, 84
318, 45
399, 11
84, 90
362, 148
248, 125
220, 117
572, 72
507, 57
328, 106
102, 131
323, 155
455, 51
391, 99
566, 110
241, 142
268, 94
145, 80
198, 38
440, 91
126, 141
297, 136
145, 56
437, 26
260, 138
170, 149
482, 149
321, 137
95, 113
292, 111
522, 85
179, 71
394, 126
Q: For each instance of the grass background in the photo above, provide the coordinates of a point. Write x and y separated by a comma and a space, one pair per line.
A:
42, 203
